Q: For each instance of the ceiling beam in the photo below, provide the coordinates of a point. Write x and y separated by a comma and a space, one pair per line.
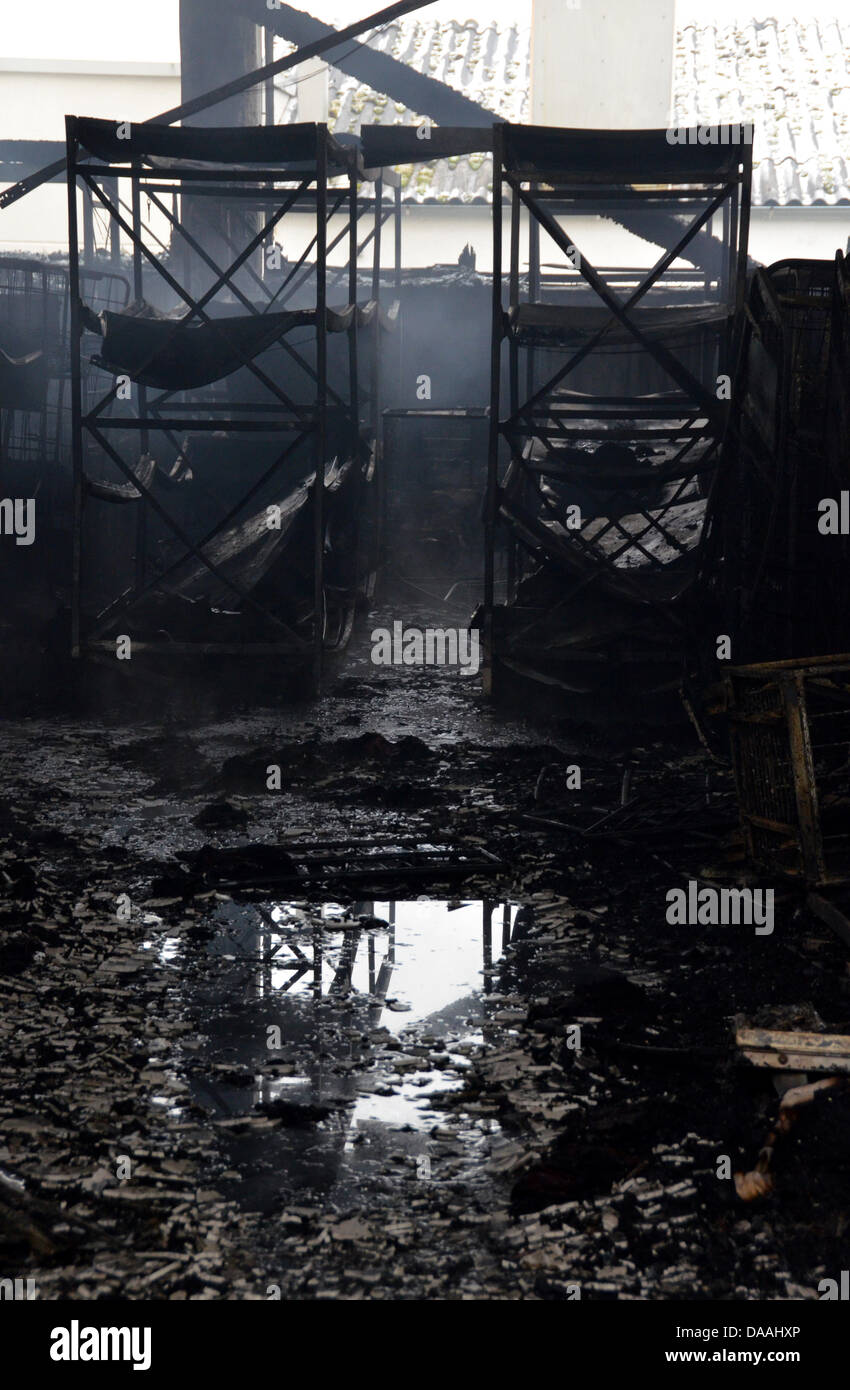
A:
424, 95
316, 49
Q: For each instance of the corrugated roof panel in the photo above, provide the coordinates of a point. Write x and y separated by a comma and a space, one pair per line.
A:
792, 80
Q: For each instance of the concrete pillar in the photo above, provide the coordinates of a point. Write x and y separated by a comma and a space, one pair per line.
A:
312, 88
602, 64
217, 43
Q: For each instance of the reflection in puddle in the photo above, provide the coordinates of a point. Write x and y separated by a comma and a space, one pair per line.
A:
413, 959
327, 1029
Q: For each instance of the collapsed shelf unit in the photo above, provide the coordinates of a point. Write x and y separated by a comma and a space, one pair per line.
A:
247, 459
600, 464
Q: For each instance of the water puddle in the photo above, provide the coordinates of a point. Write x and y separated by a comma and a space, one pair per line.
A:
326, 1033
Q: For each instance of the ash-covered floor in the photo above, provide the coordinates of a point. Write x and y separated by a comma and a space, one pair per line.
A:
228, 1072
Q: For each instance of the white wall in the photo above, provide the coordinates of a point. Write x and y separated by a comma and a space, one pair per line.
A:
433, 235
35, 96
437, 235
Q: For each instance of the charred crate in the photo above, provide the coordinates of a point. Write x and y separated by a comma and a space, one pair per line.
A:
790, 737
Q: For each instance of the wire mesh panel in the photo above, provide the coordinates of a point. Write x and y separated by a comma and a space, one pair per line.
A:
33, 347
435, 465
35, 404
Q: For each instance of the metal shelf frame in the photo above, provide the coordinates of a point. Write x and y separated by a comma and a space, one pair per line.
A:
265, 172
544, 176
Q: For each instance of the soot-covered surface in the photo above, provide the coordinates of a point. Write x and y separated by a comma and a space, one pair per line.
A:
219, 1080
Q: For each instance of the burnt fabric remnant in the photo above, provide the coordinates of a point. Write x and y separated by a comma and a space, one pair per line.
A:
425, 754
176, 355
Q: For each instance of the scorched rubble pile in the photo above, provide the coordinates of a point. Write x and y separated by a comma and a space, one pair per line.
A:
550, 1170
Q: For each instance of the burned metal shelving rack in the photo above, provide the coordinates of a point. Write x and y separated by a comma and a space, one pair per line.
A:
629, 425
267, 171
